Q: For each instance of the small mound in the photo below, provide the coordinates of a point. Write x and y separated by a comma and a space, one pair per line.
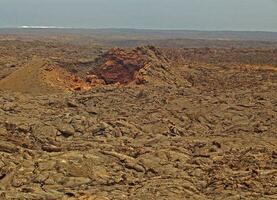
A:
124, 66
40, 76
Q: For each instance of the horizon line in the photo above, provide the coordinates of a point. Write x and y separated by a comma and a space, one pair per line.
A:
129, 28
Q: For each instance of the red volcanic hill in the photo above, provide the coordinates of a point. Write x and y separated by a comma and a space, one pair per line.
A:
139, 65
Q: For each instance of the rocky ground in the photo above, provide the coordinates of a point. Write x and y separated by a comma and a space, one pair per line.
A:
154, 124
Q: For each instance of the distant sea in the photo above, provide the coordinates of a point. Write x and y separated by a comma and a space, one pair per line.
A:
45, 27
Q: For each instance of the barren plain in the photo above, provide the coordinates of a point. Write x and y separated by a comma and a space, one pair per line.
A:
84, 120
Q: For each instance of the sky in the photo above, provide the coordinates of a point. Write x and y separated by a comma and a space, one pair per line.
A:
236, 15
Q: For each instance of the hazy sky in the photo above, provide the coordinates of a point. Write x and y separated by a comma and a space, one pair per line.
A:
157, 14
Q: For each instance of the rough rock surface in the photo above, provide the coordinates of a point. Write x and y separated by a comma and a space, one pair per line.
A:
207, 132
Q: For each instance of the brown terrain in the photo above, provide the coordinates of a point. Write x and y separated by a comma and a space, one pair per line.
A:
89, 122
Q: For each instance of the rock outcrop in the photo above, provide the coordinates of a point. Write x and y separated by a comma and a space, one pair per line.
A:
140, 65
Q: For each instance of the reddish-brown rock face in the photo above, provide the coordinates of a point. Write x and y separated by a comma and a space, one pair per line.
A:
141, 65
120, 66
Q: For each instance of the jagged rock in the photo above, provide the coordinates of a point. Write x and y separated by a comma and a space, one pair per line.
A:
8, 147
51, 148
66, 129
76, 181
44, 130
73, 104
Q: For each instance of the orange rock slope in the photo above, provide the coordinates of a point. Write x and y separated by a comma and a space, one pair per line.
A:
40, 76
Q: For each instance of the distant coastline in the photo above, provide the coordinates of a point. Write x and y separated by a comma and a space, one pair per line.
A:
44, 27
